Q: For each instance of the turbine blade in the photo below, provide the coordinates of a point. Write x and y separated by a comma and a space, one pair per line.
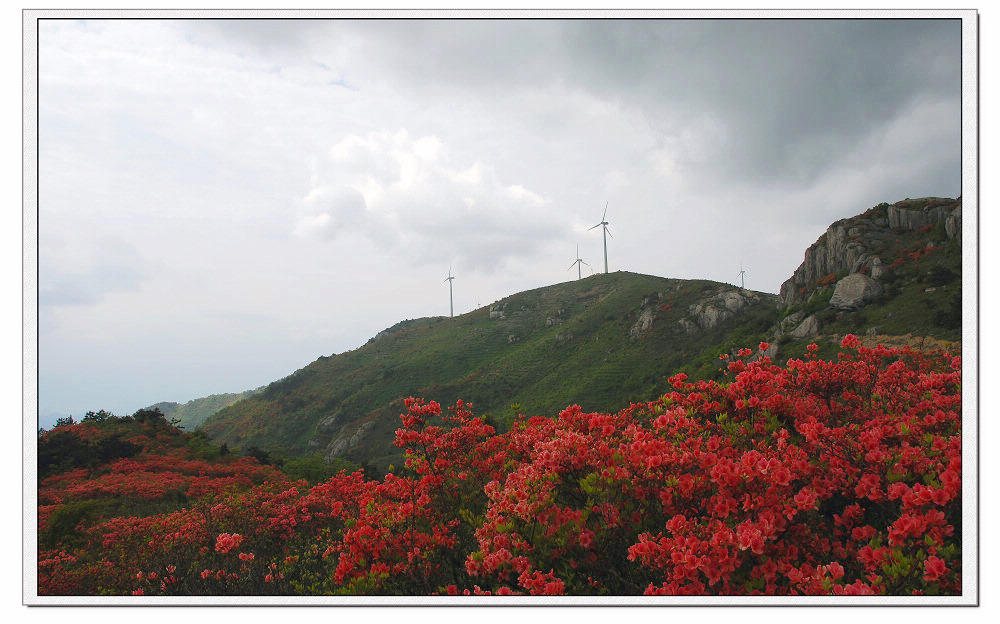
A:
598, 225
608, 231
605, 210
587, 263
571, 266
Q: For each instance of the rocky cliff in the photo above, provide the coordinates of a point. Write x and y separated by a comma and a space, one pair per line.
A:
857, 244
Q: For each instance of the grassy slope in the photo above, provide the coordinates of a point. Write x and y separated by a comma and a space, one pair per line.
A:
518, 364
196, 411
474, 358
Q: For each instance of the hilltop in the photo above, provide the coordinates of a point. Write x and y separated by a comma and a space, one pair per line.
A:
891, 275
602, 342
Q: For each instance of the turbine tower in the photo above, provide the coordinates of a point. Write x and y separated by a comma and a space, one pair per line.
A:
741, 274
578, 263
451, 299
606, 235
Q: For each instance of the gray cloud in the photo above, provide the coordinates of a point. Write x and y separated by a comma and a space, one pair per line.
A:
784, 98
321, 175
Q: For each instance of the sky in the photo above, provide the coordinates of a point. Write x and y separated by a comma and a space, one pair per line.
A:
222, 202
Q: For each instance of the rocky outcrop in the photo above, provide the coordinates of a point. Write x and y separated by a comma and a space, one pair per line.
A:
850, 245
496, 311
340, 445
909, 219
715, 309
643, 323
791, 321
330, 424
808, 328
854, 291
953, 224
722, 306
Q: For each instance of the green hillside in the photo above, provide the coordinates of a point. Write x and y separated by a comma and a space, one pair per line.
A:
609, 339
191, 414
600, 342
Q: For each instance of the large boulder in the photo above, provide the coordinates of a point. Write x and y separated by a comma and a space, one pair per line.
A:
808, 328
792, 320
854, 291
719, 307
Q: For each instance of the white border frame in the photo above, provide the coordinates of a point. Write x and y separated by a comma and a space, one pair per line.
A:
970, 336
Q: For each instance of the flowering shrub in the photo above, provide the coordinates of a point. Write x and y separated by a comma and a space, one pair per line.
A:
811, 478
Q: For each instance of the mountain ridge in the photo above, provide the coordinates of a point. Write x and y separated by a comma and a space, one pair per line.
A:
602, 340
892, 273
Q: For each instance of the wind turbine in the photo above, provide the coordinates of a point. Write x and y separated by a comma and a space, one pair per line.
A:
451, 299
606, 235
578, 263
741, 274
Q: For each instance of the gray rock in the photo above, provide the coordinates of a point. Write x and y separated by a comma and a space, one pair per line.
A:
877, 268
336, 447
330, 424
644, 322
563, 337
910, 219
953, 224
792, 320
708, 313
836, 251
860, 262
808, 328
340, 445
688, 326
854, 291
511, 339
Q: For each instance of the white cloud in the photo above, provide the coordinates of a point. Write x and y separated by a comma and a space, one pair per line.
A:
326, 212
416, 191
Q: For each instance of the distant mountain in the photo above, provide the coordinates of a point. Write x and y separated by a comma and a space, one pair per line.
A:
600, 342
196, 411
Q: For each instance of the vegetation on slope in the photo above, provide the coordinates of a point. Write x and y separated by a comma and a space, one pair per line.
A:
196, 411
921, 278
534, 352
814, 478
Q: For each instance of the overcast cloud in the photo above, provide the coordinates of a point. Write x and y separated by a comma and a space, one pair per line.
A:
221, 202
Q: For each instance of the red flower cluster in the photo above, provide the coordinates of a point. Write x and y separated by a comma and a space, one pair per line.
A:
816, 477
